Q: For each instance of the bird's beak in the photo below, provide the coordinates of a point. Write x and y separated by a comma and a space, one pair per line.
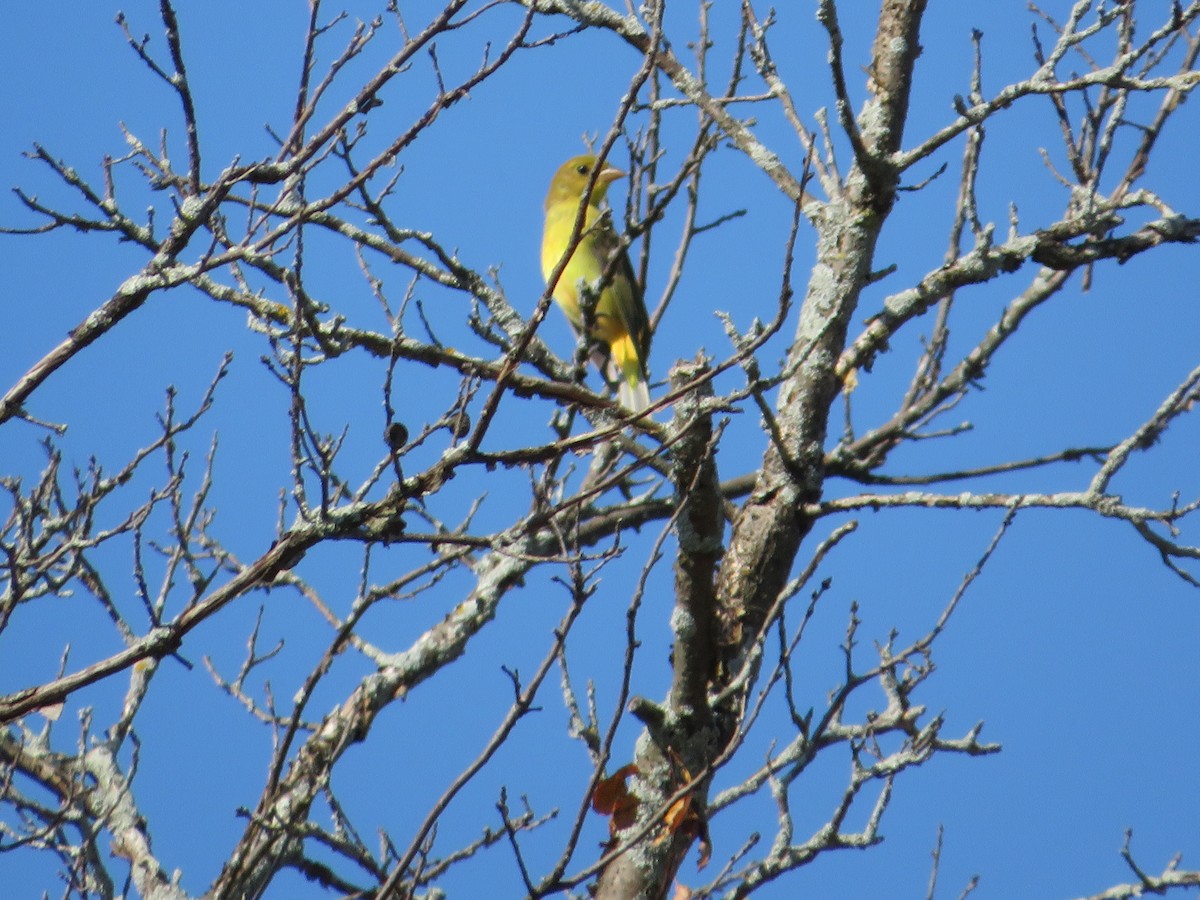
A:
609, 174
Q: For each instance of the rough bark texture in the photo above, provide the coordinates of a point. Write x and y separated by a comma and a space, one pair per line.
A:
770, 526
680, 740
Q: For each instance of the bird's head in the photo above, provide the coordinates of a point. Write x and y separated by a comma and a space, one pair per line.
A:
572, 177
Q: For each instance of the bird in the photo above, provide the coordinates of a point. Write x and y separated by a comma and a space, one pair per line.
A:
620, 325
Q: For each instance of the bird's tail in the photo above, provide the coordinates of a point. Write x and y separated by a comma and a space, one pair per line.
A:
634, 397
627, 370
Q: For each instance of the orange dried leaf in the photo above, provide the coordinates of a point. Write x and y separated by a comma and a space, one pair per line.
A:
612, 791
685, 818
624, 815
612, 798
682, 817
705, 849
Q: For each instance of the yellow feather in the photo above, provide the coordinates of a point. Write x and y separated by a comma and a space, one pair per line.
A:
620, 323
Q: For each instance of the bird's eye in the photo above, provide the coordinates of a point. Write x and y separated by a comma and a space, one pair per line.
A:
582, 168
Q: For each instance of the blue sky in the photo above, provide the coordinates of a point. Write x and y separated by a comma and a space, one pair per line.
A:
1076, 647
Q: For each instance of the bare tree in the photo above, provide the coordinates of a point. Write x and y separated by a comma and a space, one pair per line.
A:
597, 491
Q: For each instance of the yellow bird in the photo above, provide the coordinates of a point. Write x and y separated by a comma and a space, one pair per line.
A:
620, 322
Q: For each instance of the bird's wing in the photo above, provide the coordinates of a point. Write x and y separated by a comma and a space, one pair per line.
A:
624, 284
